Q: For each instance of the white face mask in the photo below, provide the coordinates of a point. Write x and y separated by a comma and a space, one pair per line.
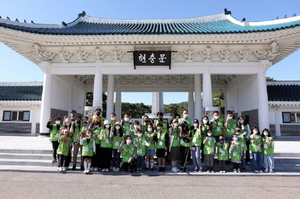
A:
185, 115
195, 124
106, 125
89, 136
241, 121
205, 121
229, 118
126, 119
266, 133
216, 117
67, 123
255, 132
117, 127
209, 134
57, 122
149, 129
71, 115
136, 126
139, 135
112, 118
128, 141
176, 124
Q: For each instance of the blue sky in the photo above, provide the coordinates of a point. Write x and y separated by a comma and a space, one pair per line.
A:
13, 67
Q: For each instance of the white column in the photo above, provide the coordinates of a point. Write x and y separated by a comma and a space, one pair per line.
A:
46, 98
157, 102
118, 107
197, 88
277, 120
191, 104
207, 91
97, 95
70, 105
110, 96
263, 109
33, 120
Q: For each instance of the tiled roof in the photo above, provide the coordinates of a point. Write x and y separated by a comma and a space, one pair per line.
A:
283, 92
214, 24
21, 93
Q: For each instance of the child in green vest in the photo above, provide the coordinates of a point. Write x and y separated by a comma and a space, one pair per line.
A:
151, 138
88, 149
125, 123
54, 135
235, 152
63, 149
117, 136
174, 146
75, 129
209, 151
246, 131
222, 147
204, 126
256, 149
128, 151
268, 151
242, 140
105, 147
196, 146
140, 143
96, 129
229, 126
161, 146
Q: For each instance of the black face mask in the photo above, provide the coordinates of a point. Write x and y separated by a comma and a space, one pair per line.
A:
78, 122
238, 130
96, 123
98, 113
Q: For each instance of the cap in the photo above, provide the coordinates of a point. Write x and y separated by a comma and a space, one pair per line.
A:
106, 122
160, 114
196, 121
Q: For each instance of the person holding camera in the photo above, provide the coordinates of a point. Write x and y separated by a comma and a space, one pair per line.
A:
185, 144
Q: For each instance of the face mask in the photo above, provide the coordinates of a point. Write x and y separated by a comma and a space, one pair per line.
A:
57, 122
255, 132
98, 113
149, 129
238, 130
241, 121
176, 124
235, 139
216, 117
117, 127
71, 115
209, 134
106, 125
158, 128
229, 118
185, 115
266, 133
139, 135
136, 126
96, 126
67, 123
221, 139
89, 136
78, 122
128, 141
195, 124
205, 121
113, 118
126, 119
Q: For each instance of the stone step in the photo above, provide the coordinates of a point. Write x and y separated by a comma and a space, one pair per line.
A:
19, 151
29, 162
27, 156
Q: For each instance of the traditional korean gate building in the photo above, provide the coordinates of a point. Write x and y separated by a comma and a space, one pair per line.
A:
208, 54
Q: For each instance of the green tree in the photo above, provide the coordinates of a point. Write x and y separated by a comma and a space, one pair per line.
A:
89, 101
270, 79
219, 101
135, 110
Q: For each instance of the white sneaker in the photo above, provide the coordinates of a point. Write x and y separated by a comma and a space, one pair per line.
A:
260, 171
87, 171
106, 170
266, 170
118, 170
177, 169
103, 170
95, 169
234, 170
224, 171
271, 171
174, 170
114, 168
92, 169
60, 169
239, 171
84, 171
64, 169
256, 171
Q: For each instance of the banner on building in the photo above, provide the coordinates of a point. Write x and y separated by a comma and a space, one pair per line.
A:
152, 58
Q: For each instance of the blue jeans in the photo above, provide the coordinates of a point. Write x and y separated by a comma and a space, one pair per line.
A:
116, 158
257, 160
196, 153
268, 161
140, 162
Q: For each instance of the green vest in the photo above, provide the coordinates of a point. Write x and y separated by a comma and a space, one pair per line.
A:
105, 142
209, 146
125, 127
222, 150
188, 121
236, 151
175, 134
197, 138
127, 152
161, 142
140, 144
145, 126
55, 133
183, 143
231, 125
254, 145
268, 149
149, 138
76, 132
87, 148
116, 142
243, 142
83, 127
218, 127
204, 130
96, 133
64, 147
164, 123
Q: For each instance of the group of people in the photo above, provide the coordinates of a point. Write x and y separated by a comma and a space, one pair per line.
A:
132, 145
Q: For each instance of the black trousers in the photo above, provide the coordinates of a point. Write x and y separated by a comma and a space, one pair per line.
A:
106, 154
236, 165
55, 147
97, 157
247, 151
128, 166
184, 155
222, 165
62, 161
69, 157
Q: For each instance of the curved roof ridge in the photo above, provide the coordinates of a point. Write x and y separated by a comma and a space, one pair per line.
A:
30, 25
21, 83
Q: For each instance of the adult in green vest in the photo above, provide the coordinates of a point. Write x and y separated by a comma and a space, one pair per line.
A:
222, 147
209, 151
126, 125
160, 120
88, 149
235, 151
140, 143
63, 150
256, 149
105, 146
134, 128
113, 120
162, 145
185, 144
217, 125
196, 146
145, 122
151, 138
268, 151
242, 140
96, 129
117, 137
54, 135
97, 114
246, 131
67, 124
76, 128
174, 146
185, 117
128, 151
229, 126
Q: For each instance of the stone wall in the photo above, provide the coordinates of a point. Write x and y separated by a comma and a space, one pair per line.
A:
37, 128
272, 130
15, 127
253, 117
290, 130
58, 113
